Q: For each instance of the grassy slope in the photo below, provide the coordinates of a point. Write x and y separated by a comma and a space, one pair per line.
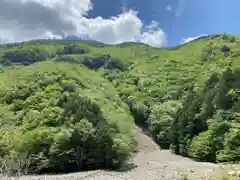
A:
157, 71
96, 87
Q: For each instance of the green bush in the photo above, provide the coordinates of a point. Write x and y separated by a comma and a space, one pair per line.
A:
231, 144
26, 57
202, 147
71, 49
160, 120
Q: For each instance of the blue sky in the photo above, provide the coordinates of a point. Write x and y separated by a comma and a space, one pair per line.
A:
155, 22
187, 18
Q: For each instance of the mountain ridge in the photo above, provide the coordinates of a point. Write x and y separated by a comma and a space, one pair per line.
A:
181, 95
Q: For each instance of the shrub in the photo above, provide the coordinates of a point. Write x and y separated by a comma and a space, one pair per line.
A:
202, 147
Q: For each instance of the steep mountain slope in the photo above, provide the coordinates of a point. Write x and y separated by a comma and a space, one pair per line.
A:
161, 70
59, 117
175, 93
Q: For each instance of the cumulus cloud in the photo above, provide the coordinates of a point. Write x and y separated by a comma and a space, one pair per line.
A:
22, 20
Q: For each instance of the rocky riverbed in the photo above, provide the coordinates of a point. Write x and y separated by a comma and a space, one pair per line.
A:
150, 163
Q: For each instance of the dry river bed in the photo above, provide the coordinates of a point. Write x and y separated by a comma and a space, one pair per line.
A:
151, 163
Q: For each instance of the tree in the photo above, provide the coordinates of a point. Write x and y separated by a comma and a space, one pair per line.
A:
225, 49
160, 120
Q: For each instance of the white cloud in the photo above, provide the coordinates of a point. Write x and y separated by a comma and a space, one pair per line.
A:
154, 36
22, 20
187, 40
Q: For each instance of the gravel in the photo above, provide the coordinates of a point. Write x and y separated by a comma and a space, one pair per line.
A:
151, 163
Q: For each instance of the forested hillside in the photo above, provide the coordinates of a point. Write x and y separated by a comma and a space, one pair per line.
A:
71, 104
58, 117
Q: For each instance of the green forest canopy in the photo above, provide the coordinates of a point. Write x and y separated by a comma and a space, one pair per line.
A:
71, 104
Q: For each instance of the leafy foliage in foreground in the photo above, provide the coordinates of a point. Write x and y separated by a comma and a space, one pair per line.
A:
63, 119
187, 96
